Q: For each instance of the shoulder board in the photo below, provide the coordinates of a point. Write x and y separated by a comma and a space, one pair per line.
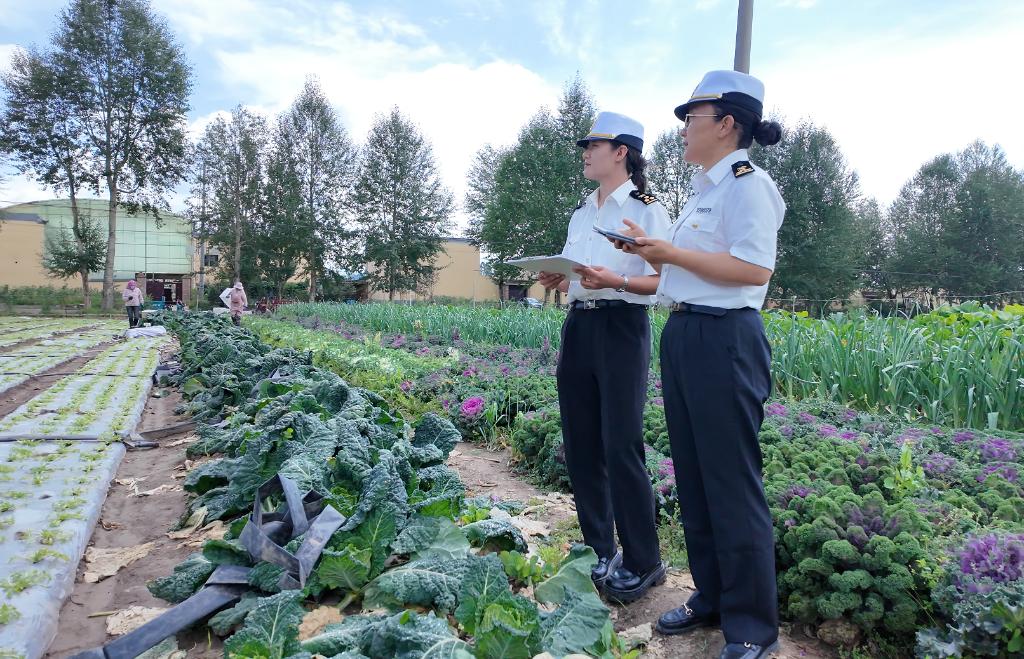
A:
580, 205
648, 199
742, 168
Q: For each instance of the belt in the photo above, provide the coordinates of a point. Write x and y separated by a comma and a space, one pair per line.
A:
580, 305
686, 307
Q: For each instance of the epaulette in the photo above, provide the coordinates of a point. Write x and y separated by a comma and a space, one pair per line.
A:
580, 205
648, 199
742, 168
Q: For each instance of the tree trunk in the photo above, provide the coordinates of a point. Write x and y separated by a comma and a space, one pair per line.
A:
76, 229
238, 251
312, 286
108, 269
86, 300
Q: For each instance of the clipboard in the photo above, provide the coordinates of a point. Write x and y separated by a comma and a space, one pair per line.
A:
557, 263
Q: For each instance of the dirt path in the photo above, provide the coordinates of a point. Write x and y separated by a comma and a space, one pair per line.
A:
126, 521
486, 471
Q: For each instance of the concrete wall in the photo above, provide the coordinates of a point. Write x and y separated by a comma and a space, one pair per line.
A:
458, 276
143, 243
21, 248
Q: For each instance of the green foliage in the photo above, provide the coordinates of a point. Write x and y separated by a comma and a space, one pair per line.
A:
271, 628
400, 204
955, 225
8, 614
21, 581
184, 581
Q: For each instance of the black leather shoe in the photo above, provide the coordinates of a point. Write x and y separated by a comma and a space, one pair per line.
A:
747, 651
683, 619
625, 586
605, 568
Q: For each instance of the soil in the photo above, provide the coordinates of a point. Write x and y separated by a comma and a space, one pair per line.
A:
15, 397
486, 471
127, 521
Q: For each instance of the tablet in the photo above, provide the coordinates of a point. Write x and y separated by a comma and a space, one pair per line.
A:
613, 235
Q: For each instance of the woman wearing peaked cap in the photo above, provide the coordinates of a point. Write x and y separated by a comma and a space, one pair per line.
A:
605, 357
715, 363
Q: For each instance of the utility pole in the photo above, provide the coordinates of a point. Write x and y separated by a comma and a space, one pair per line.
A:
744, 26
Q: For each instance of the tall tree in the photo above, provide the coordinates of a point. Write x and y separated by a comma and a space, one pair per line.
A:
42, 130
988, 235
278, 241
199, 205
130, 95
920, 218
819, 256
318, 150
237, 157
400, 205
489, 229
669, 174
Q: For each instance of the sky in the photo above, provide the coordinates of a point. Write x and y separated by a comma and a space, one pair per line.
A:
897, 82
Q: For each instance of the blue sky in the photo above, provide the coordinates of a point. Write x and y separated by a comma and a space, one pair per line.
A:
897, 82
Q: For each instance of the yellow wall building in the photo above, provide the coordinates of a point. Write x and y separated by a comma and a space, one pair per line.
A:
458, 276
155, 252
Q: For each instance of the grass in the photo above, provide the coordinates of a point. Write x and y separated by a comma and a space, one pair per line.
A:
956, 366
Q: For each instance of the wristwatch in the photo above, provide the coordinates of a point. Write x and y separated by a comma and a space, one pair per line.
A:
625, 283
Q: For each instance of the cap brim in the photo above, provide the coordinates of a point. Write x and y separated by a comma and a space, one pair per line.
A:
628, 140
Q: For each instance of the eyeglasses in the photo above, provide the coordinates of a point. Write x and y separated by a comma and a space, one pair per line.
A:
686, 119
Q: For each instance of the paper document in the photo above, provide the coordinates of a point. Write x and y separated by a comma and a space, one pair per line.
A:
558, 264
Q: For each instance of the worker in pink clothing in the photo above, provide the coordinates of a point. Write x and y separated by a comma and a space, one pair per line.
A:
237, 302
133, 300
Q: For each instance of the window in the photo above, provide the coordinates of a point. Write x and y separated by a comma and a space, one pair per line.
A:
211, 260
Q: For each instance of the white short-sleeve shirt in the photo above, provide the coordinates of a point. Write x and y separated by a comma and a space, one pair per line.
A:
584, 245
740, 215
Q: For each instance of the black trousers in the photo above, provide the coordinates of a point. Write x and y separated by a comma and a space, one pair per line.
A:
133, 316
602, 387
716, 377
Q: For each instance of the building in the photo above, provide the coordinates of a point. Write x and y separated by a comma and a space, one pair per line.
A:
459, 277
157, 251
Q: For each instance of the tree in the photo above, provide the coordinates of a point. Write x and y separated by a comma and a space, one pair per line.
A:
278, 241
920, 217
819, 250
76, 251
42, 130
315, 146
237, 157
128, 87
490, 229
988, 234
521, 199
199, 205
668, 174
400, 205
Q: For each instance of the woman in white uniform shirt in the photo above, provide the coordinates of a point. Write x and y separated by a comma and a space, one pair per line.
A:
715, 363
605, 356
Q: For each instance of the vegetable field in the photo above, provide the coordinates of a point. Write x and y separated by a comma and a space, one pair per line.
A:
897, 502
57, 456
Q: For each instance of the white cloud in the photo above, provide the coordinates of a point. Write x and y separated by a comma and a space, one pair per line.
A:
366, 65
897, 101
796, 4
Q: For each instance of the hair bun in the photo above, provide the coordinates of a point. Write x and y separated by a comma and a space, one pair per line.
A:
767, 133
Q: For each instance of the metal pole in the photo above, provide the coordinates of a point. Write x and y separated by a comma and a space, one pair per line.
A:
744, 23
